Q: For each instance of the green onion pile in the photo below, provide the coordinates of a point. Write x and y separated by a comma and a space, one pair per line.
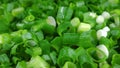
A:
59, 33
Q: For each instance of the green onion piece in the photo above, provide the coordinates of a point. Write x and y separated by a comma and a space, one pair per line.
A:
46, 57
39, 35
53, 56
75, 22
1, 39
34, 51
89, 17
17, 11
68, 13
69, 65
66, 54
103, 48
83, 27
96, 54
15, 59
70, 38
104, 65
37, 62
115, 61
50, 20
26, 35
61, 13
45, 46
4, 58
117, 20
84, 59
5, 38
38, 25
48, 29
21, 64
20, 25
30, 18
57, 43
116, 11
112, 25
63, 27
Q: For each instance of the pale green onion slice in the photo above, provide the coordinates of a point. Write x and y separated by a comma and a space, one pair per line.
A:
84, 27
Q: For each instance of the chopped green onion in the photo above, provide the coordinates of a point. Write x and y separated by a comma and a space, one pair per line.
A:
30, 18
117, 20
51, 21
103, 48
17, 11
70, 38
106, 29
101, 33
104, 65
112, 25
100, 19
20, 25
75, 22
106, 15
84, 27
37, 62
1, 39
92, 14
69, 65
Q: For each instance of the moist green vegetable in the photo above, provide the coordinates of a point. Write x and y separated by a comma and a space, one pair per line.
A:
59, 33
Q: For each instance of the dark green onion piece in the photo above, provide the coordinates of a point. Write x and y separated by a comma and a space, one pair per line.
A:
84, 59
57, 43
68, 13
96, 54
70, 38
34, 51
4, 58
48, 29
115, 61
89, 19
63, 27
45, 46
53, 56
21, 64
39, 35
66, 54
61, 13
69, 65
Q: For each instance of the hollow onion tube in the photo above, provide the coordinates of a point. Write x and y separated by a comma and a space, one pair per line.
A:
96, 54
84, 59
69, 65
30, 18
103, 48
